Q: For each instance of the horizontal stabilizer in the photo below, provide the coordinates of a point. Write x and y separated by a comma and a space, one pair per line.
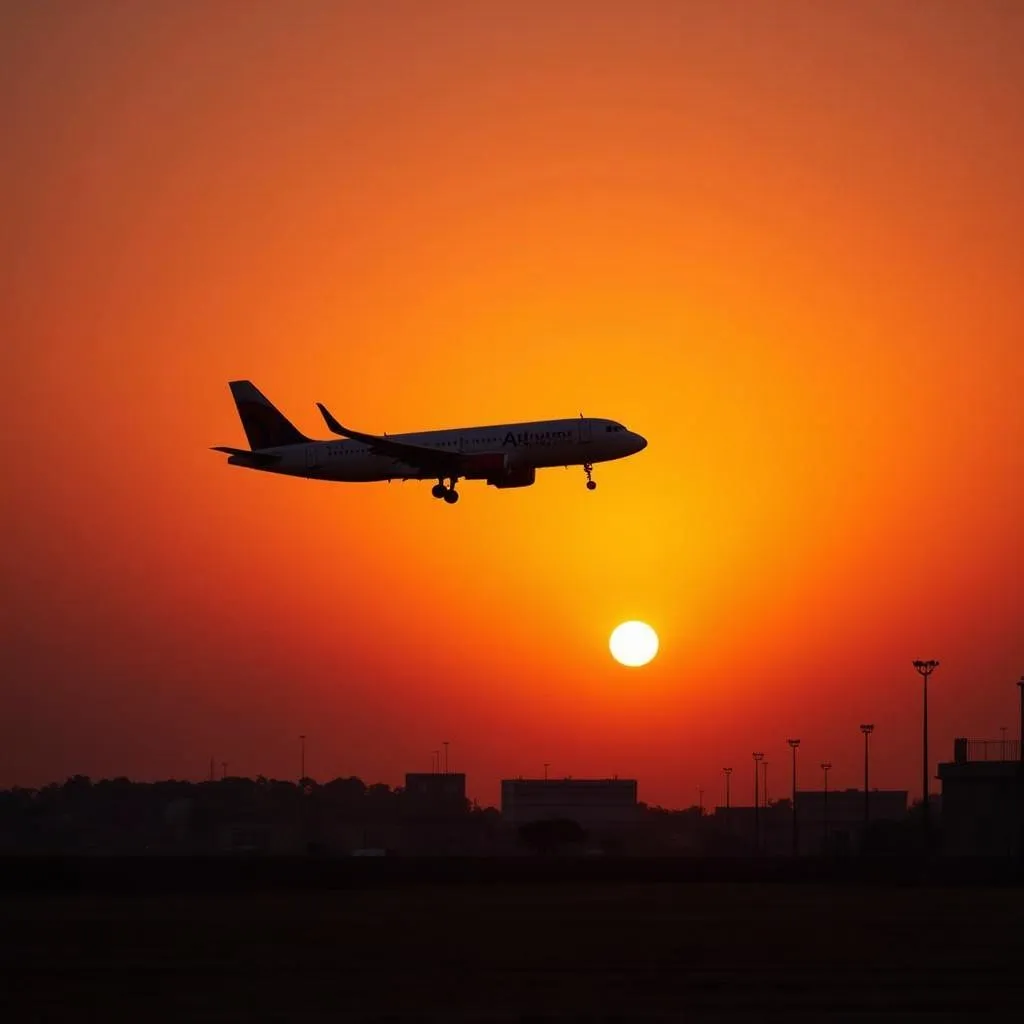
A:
245, 457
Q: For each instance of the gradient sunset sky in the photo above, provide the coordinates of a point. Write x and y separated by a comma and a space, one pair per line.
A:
783, 241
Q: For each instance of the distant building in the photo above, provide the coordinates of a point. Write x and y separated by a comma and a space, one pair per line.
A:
983, 799
836, 823
743, 829
832, 823
436, 792
435, 815
592, 803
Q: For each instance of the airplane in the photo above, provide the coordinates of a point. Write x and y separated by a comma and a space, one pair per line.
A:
505, 455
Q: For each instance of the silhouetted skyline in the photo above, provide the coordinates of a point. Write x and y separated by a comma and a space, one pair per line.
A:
431, 815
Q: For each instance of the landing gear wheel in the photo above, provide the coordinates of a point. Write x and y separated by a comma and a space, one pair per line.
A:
591, 485
588, 468
439, 490
451, 495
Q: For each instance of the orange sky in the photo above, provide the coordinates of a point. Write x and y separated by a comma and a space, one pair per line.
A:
782, 241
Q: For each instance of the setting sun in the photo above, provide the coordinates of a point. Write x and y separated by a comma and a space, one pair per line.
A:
633, 644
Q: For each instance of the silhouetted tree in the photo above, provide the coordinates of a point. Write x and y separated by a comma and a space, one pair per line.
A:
117, 815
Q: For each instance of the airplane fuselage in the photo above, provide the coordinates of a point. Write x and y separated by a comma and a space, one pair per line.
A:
506, 451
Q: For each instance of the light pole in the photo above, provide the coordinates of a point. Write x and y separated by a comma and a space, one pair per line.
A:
302, 758
1020, 735
700, 802
445, 745
793, 744
547, 765
727, 772
1020, 768
925, 669
867, 730
757, 822
825, 766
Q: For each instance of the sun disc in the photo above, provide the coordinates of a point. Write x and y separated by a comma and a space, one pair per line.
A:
633, 644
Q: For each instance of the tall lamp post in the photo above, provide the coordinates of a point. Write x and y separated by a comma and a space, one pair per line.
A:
727, 772
867, 730
925, 669
825, 766
758, 756
302, 758
793, 744
1020, 735
1020, 769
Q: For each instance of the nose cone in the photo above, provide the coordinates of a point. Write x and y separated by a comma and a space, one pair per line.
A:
639, 442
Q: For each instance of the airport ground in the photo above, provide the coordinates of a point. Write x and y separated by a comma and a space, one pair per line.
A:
533, 948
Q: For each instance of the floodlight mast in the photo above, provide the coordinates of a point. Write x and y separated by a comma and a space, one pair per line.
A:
925, 669
758, 757
867, 730
825, 767
793, 744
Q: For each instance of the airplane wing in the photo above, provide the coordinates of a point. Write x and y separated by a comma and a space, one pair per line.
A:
431, 460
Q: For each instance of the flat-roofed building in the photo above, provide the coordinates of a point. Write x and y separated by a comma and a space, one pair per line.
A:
983, 799
436, 792
835, 822
826, 823
592, 803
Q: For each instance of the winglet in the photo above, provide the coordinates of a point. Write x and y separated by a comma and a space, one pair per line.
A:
332, 424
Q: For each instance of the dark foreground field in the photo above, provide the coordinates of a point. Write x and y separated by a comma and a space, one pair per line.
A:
514, 949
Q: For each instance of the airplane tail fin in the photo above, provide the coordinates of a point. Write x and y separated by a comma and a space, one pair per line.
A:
264, 425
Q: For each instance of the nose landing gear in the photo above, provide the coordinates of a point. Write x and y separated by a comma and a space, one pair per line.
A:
588, 468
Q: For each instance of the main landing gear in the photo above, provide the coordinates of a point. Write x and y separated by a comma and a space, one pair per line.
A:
449, 494
588, 468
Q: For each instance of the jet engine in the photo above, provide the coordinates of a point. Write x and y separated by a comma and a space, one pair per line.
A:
523, 477
499, 469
